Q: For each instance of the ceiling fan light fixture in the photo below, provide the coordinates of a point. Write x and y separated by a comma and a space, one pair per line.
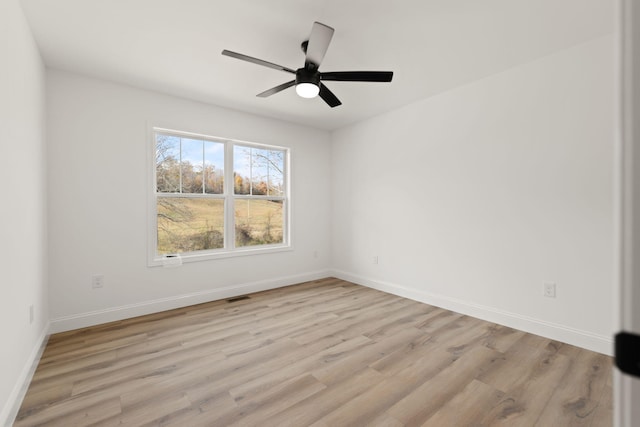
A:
307, 90
307, 83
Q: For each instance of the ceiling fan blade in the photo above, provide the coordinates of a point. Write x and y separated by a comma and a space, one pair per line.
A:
318, 44
328, 96
276, 89
358, 76
257, 61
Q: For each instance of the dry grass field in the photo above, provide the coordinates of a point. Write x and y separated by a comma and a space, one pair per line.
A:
186, 224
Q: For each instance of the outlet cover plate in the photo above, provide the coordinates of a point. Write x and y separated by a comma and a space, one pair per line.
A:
550, 290
97, 281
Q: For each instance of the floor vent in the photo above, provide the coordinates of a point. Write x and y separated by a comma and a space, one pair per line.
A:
239, 298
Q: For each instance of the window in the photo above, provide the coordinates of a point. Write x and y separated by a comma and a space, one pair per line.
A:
258, 188
215, 197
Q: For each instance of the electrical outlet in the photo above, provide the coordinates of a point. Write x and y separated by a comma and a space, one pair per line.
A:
31, 314
550, 290
375, 259
315, 254
97, 281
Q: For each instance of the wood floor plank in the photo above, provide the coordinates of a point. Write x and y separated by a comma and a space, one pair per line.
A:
310, 410
522, 361
450, 341
141, 414
417, 407
215, 376
78, 410
43, 396
351, 322
528, 397
578, 394
260, 407
152, 366
603, 415
462, 409
331, 373
361, 410
313, 361
323, 353
501, 338
528, 374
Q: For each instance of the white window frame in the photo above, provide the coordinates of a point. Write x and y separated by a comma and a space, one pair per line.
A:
229, 249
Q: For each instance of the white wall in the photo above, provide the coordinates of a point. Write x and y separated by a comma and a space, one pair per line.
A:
98, 189
474, 198
22, 211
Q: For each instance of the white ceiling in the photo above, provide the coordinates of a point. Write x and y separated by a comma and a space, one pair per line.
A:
173, 46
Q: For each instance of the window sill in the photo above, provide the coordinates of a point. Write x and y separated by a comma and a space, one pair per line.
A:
219, 254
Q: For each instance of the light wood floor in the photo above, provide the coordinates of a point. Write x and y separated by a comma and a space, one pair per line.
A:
324, 353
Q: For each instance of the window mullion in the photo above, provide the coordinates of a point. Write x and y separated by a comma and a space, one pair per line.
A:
268, 175
180, 165
229, 205
203, 169
250, 170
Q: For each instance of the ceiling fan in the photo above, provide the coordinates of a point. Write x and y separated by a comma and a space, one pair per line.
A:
309, 80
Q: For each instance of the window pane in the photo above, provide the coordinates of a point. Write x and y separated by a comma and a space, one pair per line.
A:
258, 171
189, 224
213, 167
167, 164
275, 161
241, 170
258, 222
191, 167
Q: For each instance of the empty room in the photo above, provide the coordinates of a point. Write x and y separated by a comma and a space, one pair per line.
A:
295, 213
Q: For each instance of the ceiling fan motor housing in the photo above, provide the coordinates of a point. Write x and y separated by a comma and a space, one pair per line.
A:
304, 75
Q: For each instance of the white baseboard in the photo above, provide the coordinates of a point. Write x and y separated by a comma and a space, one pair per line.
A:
590, 341
82, 320
12, 405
